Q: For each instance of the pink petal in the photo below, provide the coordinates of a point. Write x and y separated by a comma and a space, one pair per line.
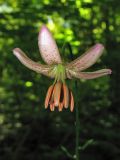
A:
48, 47
92, 75
88, 58
39, 68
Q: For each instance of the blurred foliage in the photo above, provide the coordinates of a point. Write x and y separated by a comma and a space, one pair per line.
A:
29, 132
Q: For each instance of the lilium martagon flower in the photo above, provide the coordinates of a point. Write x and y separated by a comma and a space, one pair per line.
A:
58, 94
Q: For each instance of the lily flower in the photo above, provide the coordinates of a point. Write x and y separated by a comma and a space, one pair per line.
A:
58, 94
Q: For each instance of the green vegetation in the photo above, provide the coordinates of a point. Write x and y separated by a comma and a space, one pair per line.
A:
27, 130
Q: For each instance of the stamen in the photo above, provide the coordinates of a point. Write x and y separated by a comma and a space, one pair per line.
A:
71, 101
52, 97
66, 96
52, 107
60, 96
57, 92
60, 106
48, 95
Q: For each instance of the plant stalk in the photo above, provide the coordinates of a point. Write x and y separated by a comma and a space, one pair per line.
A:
77, 156
77, 133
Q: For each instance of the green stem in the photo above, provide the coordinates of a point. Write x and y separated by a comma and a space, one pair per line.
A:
77, 133
77, 109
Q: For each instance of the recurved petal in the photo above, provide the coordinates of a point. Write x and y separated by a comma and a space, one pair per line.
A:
68, 74
48, 47
88, 58
92, 75
37, 67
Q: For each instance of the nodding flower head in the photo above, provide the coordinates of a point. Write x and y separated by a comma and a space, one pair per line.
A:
58, 94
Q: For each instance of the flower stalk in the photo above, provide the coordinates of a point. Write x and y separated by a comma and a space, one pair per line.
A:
77, 133
77, 120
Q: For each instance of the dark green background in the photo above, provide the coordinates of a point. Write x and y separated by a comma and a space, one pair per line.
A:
27, 130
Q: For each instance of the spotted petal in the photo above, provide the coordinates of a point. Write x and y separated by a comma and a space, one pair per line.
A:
92, 75
39, 68
88, 58
48, 47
